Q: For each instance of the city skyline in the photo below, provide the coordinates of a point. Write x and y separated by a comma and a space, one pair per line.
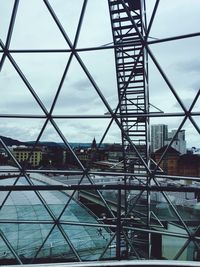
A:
161, 136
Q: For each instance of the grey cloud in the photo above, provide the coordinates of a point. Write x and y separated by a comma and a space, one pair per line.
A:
82, 85
196, 85
186, 101
16, 131
190, 66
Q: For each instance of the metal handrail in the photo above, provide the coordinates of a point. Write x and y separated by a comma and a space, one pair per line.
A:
124, 263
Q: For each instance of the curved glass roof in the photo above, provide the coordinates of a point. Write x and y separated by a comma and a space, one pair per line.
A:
45, 224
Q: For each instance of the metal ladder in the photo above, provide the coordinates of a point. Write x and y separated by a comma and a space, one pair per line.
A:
132, 80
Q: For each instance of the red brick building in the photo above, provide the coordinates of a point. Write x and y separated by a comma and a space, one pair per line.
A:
175, 164
169, 163
189, 165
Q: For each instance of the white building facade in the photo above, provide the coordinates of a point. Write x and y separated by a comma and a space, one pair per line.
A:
159, 134
179, 143
161, 137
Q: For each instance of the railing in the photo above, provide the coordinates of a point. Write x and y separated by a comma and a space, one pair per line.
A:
148, 263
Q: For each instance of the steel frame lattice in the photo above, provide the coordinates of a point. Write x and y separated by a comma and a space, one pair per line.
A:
132, 48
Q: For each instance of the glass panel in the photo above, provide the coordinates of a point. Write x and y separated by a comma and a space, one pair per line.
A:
55, 248
90, 242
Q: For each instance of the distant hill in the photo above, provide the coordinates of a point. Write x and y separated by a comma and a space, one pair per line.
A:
11, 142
75, 145
45, 143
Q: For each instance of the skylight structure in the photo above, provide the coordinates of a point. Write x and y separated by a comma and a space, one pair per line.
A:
72, 71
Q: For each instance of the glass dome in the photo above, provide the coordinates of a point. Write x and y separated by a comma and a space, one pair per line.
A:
46, 225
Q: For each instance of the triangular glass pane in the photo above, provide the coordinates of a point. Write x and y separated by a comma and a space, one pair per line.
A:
84, 131
44, 72
32, 27
88, 241
20, 137
26, 238
94, 12
188, 92
78, 213
157, 84
113, 135
80, 134
7, 181
58, 150
6, 255
177, 67
21, 140
174, 245
23, 205
55, 200
5, 17
101, 65
56, 247
68, 15
161, 29
15, 96
78, 96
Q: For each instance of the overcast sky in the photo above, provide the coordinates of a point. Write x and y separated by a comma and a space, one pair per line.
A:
35, 29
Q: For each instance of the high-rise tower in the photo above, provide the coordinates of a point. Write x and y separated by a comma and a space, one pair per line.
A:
159, 134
